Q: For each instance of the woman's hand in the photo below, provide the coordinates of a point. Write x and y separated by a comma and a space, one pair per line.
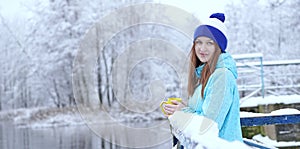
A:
171, 108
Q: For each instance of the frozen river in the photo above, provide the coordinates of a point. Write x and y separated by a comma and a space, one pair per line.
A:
67, 137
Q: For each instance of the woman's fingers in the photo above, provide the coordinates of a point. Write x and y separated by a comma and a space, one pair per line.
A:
178, 104
171, 106
169, 112
175, 102
170, 109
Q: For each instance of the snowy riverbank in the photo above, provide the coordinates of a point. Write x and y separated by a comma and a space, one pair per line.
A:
42, 117
69, 116
50, 117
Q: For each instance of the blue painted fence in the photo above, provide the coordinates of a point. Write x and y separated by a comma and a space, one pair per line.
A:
270, 120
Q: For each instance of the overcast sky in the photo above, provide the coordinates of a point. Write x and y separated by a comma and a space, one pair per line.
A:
9, 7
200, 8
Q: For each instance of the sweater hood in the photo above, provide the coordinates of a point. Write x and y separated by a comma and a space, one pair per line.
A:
226, 61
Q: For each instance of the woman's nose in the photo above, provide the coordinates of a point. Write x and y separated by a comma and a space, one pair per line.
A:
202, 48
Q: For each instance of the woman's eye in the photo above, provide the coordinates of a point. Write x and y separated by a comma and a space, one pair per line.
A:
210, 43
198, 42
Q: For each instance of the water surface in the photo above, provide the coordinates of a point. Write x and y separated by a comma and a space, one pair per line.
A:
67, 137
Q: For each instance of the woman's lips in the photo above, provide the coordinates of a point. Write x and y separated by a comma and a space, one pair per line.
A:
203, 54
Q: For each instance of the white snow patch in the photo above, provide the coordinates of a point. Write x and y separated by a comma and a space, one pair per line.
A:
251, 114
285, 111
255, 101
58, 120
267, 140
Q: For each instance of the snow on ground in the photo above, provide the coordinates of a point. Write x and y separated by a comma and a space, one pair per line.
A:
255, 101
71, 116
42, 117
267, 140
284, 111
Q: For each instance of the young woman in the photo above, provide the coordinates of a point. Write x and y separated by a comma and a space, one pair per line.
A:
212, 87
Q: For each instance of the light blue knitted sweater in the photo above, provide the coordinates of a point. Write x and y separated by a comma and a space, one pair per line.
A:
221, 99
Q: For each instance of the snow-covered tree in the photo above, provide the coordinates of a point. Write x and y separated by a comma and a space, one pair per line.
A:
55, 29
269, 27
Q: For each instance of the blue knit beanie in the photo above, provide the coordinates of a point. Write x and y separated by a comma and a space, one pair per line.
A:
214, 29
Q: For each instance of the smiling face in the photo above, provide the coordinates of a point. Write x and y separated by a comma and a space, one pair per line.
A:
204, 48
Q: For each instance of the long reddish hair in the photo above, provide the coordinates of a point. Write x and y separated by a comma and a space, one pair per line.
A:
208, 69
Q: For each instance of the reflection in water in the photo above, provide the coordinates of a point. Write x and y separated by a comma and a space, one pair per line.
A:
69, 137
139, 135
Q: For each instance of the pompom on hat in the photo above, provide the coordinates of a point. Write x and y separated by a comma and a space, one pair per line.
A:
214, 29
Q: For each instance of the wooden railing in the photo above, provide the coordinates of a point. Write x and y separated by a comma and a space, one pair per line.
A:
253, 63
